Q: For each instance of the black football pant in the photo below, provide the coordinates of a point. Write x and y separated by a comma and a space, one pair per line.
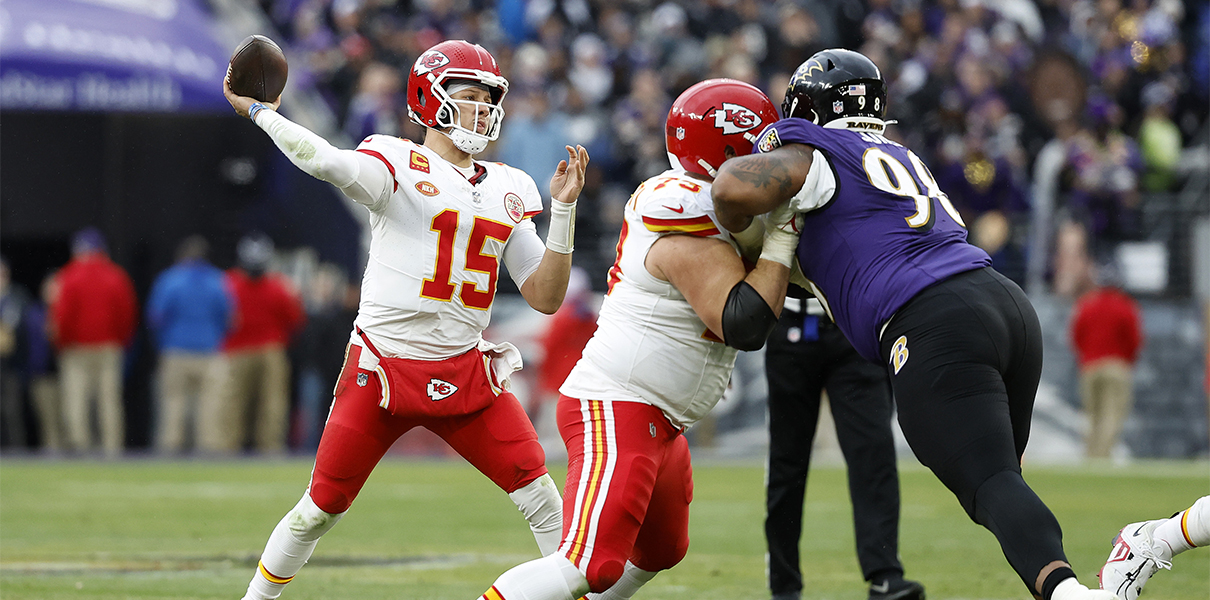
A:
968, 352
798, 368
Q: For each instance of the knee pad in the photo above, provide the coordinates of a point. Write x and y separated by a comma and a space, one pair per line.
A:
329, 496
308, 522
603, 574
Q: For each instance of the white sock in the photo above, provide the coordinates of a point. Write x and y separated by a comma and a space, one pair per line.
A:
631, 580
1188, 529
289, 547
551, 577
1070, 589
543, 508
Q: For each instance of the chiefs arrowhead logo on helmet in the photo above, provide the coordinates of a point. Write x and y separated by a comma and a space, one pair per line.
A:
733, 118
430, 60
713, 120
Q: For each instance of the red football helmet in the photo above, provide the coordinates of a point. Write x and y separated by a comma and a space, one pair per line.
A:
712, 116
430, 105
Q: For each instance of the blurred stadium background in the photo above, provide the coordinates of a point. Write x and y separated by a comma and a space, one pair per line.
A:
1046, 121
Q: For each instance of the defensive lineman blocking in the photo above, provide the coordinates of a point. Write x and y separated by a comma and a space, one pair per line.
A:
886, 253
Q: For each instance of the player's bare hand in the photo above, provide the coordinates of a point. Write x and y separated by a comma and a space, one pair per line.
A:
568, 179
241, 104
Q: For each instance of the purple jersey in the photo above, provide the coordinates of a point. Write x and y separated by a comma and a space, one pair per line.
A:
887, 233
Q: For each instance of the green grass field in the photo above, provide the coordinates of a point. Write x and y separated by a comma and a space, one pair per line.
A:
193, 530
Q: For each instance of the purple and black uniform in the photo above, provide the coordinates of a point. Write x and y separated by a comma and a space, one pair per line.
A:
861, 250
962, 343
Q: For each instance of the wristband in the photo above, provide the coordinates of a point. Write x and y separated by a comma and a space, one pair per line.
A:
254, 109
561, 236
779, 246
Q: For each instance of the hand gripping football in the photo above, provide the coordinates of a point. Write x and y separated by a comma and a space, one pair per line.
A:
258, 69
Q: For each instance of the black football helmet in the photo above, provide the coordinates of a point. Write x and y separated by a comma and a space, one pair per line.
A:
834, 84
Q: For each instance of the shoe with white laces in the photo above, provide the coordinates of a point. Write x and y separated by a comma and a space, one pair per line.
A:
1132, 562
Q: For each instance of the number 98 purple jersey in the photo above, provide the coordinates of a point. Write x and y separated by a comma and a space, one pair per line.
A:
887, 232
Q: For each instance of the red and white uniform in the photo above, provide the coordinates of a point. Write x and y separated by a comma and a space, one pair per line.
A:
435, 250
651, 370
437, 240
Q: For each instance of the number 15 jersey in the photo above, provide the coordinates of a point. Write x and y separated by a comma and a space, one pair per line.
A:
435, 249
650, 346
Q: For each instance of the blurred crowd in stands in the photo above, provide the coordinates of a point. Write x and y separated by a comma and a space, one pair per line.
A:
1050, 124
1113, 90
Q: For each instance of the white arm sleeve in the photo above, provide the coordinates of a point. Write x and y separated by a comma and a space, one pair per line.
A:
360, 176
819, 187
523, 252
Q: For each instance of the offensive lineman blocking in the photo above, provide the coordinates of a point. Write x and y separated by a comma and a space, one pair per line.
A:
441, 224
658, 361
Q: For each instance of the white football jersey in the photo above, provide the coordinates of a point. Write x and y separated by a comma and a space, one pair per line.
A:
435, 249
650, 346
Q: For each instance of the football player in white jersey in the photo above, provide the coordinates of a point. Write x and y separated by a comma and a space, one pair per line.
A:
680, 304
441, 223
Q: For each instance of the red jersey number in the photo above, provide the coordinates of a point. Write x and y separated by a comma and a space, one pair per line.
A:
440, 287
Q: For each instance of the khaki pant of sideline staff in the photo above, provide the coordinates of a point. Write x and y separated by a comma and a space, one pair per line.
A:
1107, 388
44, 390
258, 392
191, 382
87, 373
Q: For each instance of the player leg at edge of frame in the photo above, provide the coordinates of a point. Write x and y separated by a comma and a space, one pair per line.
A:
1141, 549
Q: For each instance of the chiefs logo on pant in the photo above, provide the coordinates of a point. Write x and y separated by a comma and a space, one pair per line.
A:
440, 390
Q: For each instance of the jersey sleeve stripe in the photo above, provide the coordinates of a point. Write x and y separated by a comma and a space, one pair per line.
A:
531, 214
701, 226
386, 162
700, 220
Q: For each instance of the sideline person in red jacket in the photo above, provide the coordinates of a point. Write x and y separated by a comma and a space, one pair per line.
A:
268, 313
92, 320
1106, 333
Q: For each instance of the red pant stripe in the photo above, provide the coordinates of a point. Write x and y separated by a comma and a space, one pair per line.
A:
595, 476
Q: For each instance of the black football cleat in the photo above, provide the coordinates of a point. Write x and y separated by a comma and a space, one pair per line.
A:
896, 589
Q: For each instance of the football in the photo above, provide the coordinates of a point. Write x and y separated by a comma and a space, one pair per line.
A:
258, 69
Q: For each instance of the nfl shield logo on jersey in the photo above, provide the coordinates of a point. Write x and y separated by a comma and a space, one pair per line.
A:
838, 106
362, 379
440, 390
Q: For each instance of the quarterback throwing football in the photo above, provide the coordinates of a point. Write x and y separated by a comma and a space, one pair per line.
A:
680, 304
441, 224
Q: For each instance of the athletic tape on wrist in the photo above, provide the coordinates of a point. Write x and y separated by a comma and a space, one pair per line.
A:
779, 247
562, 235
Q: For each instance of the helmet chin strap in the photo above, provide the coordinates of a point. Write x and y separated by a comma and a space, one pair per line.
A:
470, 143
